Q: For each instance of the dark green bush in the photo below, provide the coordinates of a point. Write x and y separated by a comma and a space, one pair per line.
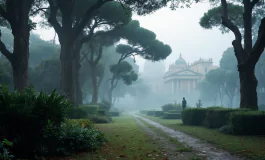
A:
72, 137
114, 113
248, 122
99, 119
193, 116
143, 111
168, 107
90, 109
102, 112
24, 116
167, 115
217, 117
174, 111
158, 113
86, 123
104, 105
151, 113
5, 146
77, 113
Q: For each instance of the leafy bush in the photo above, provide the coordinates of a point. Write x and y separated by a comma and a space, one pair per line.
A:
99, 119
227, 129
168, 115
168, 107
24, 116
71, 137
102, 112
150, 113
114, 113
217, 117
158, 113
82, 122
193, 116
143, 111
248, 122
90, 109
77, 113
5, 146
105, 105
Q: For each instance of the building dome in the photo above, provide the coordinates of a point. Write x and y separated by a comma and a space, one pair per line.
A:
180, 61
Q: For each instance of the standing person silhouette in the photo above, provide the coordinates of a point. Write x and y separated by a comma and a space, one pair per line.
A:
184, 103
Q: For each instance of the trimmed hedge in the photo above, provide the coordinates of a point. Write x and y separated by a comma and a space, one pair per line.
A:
248, 122
77, 113
114, 113
193, 116
174, 111
216, 118
90, 109
170, 106
151, 113
158, 113
102, 112
168, 115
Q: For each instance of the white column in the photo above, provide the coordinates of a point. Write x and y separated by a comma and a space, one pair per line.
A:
177, 88
188, 86
194, 85
172, 86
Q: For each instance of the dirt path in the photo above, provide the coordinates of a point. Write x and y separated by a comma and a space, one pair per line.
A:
173, 151
202, 148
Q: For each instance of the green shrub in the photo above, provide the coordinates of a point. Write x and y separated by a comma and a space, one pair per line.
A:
248, 122
168, 107
143, 111
158, 113
227, 129
90, 109
104, 105
99, 119
174, 111
86, 123
217, 117
72, 137
24, 116
114, 113
193, 116
168, 115
102, 112
77, 113
150, 113
5, 146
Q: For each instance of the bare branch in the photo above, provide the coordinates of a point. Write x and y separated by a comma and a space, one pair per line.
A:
253, 3
88, 15
231, 26
37, 10
259, 46
4, 50
3, 13
99, 54
52, 18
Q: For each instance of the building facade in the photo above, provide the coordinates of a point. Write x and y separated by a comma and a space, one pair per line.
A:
182, 78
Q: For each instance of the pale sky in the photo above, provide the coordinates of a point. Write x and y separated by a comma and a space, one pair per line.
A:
181, 30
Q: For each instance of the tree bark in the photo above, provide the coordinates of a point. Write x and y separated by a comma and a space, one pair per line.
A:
68, 59
248, 87
94, 84
20, 58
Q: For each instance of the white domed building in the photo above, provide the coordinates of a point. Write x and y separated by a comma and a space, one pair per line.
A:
182, 78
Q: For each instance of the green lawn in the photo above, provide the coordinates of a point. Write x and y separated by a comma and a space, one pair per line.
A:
252, 147
126, 141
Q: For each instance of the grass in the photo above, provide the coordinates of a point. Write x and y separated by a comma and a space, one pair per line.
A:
252, 147
125, 141
180, 147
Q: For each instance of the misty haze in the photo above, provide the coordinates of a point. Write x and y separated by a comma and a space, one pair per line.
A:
132, 79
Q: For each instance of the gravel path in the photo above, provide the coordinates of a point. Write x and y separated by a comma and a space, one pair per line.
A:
202, 148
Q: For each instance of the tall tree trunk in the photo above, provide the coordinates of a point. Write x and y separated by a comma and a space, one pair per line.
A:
20, 58
94, 84
67, 58
79, 94
248, 88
